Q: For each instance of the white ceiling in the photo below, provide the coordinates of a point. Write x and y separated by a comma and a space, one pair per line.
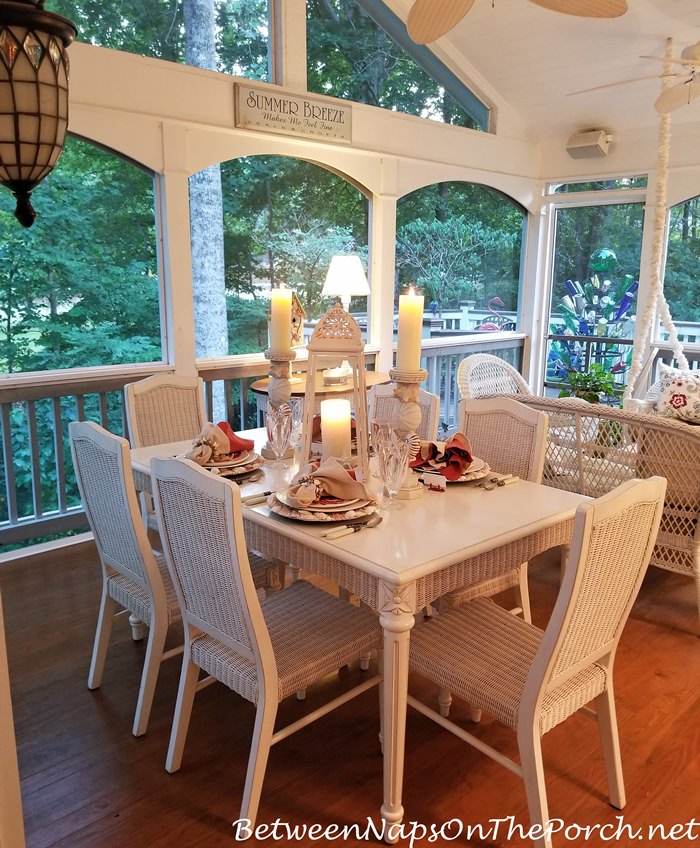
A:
533, 58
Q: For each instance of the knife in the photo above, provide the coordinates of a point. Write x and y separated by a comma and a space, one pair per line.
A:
257, 498
348, 530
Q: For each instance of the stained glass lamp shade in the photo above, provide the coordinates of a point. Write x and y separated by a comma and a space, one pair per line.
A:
33, 97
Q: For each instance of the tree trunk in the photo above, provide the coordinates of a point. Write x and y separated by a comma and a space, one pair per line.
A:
206, 212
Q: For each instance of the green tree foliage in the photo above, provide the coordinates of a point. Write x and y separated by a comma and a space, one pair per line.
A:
460, 241
284, 219
445, 257
682, 280
146, 27
350, 57
80, 287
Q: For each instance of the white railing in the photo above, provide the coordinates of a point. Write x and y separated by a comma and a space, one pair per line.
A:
39, 496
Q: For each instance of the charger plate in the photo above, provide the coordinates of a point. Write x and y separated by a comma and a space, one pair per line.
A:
321, 517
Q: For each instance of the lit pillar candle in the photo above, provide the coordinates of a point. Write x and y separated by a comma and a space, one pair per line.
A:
408, 346
280, 319
335, 428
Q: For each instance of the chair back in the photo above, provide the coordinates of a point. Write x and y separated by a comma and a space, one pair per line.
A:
483, 375
164, 408
103, 470
506, 434
201, 527
610, 551
383, 406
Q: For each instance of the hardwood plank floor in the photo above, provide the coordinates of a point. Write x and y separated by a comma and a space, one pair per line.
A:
88, 783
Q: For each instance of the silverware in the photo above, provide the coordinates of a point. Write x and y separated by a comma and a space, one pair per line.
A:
257, 498
500, 480
347, 530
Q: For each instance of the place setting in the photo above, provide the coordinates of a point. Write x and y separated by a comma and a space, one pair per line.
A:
224, 453
324, 491
451, 461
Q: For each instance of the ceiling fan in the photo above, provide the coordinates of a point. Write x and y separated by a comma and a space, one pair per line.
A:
428, 20
673, 96
688, 88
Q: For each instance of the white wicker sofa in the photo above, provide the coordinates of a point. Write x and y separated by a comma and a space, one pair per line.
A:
591, 448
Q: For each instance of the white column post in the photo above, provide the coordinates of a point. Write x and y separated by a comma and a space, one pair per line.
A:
288, 43
176, 265
382, 251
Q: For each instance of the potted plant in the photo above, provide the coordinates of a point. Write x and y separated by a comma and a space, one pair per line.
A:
594, 386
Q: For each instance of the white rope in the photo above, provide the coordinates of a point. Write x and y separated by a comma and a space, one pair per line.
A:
657, 299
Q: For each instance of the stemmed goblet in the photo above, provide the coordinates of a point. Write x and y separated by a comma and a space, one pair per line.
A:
394, 456
296, 405
279, 430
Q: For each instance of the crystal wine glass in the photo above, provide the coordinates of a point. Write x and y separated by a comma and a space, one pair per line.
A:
296, 406
381, 433
394, 456
279, 430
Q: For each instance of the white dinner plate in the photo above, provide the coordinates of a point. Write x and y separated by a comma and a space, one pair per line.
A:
338, 506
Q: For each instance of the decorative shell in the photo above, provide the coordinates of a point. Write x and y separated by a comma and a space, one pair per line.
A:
407, 417
414, 441
278, 391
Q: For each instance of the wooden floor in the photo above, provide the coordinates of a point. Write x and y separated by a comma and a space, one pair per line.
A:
88, 783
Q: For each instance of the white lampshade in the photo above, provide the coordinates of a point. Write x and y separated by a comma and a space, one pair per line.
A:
346, 277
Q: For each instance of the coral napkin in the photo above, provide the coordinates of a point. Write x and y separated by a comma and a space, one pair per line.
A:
214, 441
330, 481
236, 443
451, 458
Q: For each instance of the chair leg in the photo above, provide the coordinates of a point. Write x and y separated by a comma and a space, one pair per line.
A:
138, 628
610, 741
149, 677
380, 667
530, 749
183, 711
108, 607
522, 593
444, 701
257, 762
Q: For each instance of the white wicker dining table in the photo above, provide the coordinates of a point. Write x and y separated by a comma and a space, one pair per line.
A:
422, 550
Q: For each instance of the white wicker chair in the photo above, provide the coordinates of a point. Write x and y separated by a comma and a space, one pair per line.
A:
513, 441
532, 680
264, 652
164, 408
133, 576
482, 375
383, 406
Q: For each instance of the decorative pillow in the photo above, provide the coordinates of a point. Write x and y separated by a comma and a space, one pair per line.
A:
679, 394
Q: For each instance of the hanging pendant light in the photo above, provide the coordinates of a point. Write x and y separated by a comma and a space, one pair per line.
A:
33, 97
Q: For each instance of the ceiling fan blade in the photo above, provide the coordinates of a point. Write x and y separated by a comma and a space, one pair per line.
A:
675, 60
678, 95
621, 82
428, 20
585, 8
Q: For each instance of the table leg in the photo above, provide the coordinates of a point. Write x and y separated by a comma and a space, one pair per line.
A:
396, 608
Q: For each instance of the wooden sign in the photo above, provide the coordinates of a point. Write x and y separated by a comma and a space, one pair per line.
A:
290, 114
